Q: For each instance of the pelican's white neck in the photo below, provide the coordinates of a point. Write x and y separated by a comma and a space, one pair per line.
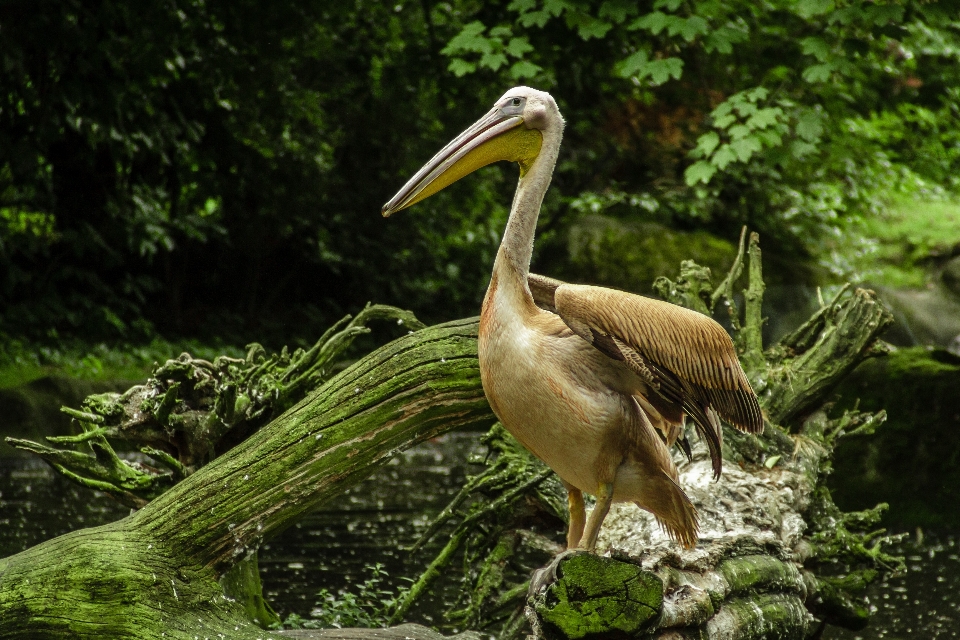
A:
516, 248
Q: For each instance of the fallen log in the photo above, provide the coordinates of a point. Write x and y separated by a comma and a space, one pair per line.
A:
157, 572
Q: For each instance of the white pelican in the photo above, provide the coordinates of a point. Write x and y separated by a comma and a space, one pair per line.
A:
582, 376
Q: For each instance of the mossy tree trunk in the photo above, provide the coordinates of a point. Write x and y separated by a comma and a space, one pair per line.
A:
156, 573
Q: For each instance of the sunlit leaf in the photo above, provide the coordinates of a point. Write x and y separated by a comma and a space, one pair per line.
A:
519, 46
746, 147
523, 69
763, 118
632, 65
738, 131
469, 39
493, 60
706, 144
815, 47
662, 70
461, 67
723, 156
653, 22
810, 8
700, 171
818, 73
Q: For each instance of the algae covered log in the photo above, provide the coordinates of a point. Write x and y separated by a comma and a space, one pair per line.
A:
155, 573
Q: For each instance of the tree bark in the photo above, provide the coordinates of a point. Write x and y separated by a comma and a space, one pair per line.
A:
156, 573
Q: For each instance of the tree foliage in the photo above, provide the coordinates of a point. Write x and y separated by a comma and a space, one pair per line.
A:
207, 166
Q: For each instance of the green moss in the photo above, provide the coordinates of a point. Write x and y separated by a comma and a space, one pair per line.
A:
750, 574
598, 597
774, 616
913, 460
904, 239
629, 255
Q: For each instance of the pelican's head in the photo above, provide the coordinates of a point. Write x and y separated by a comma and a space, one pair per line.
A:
513, 130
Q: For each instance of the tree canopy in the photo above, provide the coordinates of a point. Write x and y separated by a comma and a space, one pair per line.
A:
201, 166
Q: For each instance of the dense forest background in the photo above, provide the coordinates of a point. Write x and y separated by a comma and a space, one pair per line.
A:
215, 169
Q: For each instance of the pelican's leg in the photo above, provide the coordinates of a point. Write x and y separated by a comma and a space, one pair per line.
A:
604, 498
578, 516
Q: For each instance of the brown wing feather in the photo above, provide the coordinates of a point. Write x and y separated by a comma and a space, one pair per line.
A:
686, 356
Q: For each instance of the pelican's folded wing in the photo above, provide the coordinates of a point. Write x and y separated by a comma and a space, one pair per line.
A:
684, 355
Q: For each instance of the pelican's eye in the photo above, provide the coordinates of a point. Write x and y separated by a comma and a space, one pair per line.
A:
513, 106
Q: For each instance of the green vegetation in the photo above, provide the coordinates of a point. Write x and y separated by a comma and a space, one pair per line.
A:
908, 239
22, 362
222, 178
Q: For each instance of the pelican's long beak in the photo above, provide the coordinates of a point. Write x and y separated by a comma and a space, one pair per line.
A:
496, 136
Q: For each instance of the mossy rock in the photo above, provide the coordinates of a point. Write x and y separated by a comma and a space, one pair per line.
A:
596, 597
630, 255
913, 460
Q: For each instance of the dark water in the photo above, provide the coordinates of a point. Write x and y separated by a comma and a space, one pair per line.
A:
924, 602
332, 547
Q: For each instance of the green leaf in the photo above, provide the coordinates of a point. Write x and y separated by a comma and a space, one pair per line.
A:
521, 6
706, 144
763, 118
738, 131
691, 28
617, 10
587, 26
669, 5
810, 8
745, 109
815, 47
809, 125
772, 460
799, 148
662, 70
493, 60
757, 93
556, 7
630, 66
746, 147
534, 18
469, 39
770, 138
723, 38
461, 67
519, 46
818, 73
501, 31
700, 171
724, 121
653, 22
523, 69
724, 156
722, 109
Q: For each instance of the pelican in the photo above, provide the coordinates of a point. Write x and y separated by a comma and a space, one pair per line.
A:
585, 377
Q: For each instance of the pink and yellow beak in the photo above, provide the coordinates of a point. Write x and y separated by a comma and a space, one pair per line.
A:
499, 135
